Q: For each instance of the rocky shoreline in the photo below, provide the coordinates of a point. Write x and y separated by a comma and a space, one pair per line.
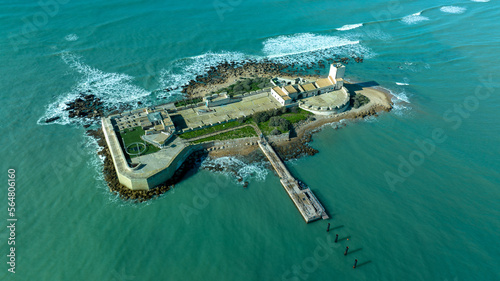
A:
225, 73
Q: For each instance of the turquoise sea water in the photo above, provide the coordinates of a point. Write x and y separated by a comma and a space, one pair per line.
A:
436, 218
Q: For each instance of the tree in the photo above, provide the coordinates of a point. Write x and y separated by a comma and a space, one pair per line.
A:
284, 125
274, 121
261, 117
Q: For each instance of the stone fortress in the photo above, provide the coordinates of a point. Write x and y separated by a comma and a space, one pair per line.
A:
325, 96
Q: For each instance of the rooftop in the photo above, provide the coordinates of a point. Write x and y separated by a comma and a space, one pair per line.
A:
308, 87
290, 89
325, 82
281, 93
155, 116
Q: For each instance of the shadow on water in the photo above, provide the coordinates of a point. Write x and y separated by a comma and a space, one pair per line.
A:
336, 227
344, 238
354, 251
363, 263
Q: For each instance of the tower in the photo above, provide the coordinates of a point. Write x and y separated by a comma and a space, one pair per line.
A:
337, 70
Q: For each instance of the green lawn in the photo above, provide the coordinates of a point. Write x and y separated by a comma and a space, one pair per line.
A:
236, 134
264, 126
209, 130
297, 117
134, 135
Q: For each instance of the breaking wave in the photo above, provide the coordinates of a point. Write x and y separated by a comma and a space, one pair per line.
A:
232, 165
71, 37
308, 47
114, 89
180, 72
453, 9
414, 18
299, 48
349, 26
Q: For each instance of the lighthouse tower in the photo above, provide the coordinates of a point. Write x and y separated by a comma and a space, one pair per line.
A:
337, 70
336, 75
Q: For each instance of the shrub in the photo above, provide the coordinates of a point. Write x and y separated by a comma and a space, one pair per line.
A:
274, 121
295, 109
284, 125
359, 100
238, 87
260, 117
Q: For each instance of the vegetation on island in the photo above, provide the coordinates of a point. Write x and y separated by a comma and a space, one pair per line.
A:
272, 122
246, 85
133, 135
185, 102
279, 121
244, 132
359, 100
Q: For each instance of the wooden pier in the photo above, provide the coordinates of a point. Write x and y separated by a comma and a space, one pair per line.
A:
308, 205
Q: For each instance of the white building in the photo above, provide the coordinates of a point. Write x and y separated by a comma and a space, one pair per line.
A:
288, 94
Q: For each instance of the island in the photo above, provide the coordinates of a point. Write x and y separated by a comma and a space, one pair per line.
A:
147, 150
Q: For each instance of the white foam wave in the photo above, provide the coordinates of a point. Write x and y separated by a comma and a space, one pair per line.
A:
414, 18
481, 1
306, 48
96, 162
402, 84
246, 171
182, 71
349, 26
302, 43
71, 37
298, 48
401, 102
114, 89
453, 9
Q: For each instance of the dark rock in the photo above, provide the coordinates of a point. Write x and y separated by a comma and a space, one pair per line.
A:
50, 120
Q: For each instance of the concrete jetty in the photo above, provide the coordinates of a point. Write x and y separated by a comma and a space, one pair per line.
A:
308, 205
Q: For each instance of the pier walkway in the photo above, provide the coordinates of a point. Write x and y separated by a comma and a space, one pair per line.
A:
308, 205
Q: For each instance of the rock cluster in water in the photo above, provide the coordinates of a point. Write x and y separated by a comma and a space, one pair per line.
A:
85, 106
295, 148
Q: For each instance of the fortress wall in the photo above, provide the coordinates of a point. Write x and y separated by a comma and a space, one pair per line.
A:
119, 161
279, 138
169, 171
